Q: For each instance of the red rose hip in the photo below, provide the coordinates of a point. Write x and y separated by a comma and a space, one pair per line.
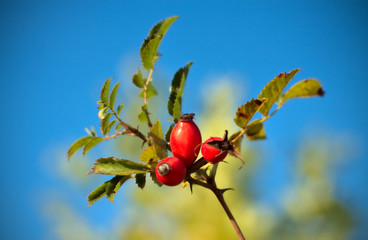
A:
212, 154
170, 171
185, 139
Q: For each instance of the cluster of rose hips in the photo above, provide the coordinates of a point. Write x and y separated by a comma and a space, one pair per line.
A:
185, 142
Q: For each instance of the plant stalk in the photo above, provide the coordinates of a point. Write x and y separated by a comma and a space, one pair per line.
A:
220, 196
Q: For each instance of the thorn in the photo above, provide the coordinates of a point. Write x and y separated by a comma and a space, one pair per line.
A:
226, 189
191, 187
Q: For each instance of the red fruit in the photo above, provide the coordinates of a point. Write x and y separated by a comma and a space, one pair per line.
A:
185, 139
170, 171
212, 154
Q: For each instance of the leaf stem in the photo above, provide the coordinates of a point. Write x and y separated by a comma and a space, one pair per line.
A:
115, 135
145, 98
135, 131
240, 134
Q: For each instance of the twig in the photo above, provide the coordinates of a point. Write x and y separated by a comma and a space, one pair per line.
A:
135, 131
210, 184
220, 197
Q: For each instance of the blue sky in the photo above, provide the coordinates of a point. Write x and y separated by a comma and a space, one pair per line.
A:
55, 56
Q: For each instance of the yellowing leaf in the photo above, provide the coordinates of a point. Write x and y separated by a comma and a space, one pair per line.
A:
274, 89
149, 155
306, 88
255, 130
158, 142
247, 111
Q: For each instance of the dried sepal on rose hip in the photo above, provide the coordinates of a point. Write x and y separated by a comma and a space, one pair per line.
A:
170, 171
215, 149
185, 139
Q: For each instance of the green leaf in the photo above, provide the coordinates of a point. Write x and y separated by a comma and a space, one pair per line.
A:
150, 91
158, 142
113, 93
306, 88
109, 126
246, 112
118, 126
168, 133
116, 166
176, 91
120, 107
255, 130
273, 90
92, 143
104, 123
149, 155
88, 132
104, 96
93, 131
143, 115
149, 54
113, 186
96, 194
78, 145
138, 79
140, 180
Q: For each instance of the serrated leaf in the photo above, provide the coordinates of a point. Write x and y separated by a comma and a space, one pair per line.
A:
255, 130
92, 143
273, 90
140, 180
176, 91
306, 88
113, 94
78, 145
149, 54
138, 79
150, 91
104, 96
168, 133
96, 194
110, 125
116, 166
149, 155
245, 112
104, 123
120, 107
158, 142
155, 180
113, 186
